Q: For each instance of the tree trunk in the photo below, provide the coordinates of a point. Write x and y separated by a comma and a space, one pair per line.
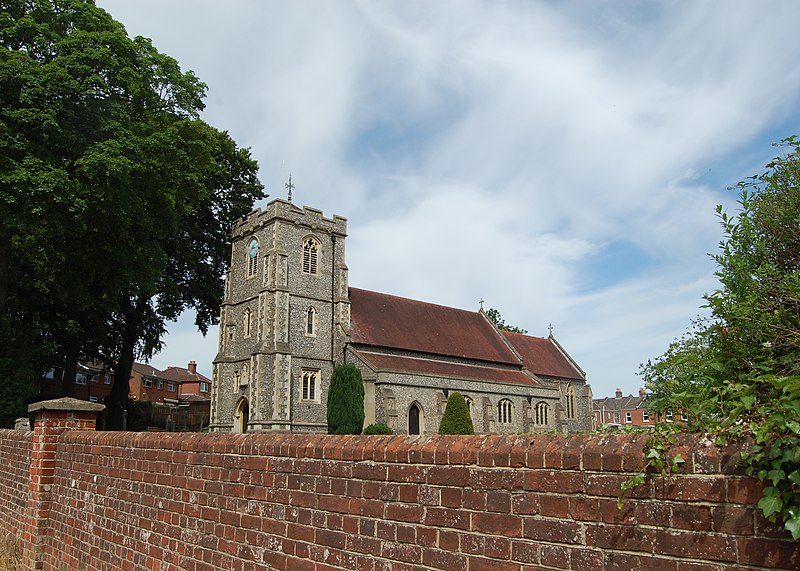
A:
117, 401
5, 262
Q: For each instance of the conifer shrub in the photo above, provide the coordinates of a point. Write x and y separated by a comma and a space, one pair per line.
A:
346, 400
456, 418
378, 428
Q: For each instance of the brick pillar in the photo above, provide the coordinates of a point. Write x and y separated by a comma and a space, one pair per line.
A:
51, 419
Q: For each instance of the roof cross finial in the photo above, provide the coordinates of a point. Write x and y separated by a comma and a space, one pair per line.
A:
481, 302
550, 329
289, 187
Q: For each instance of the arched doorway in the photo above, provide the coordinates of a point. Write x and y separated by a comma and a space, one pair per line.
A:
415, 419
242, 416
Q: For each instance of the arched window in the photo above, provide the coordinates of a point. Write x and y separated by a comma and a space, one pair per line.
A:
252, 258
242, 416
310, 248
470, 407
415, 419
504, 411
311, 322
570, 401
310, 385
247, 321
542, 413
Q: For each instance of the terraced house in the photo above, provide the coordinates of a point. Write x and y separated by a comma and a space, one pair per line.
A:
289, 316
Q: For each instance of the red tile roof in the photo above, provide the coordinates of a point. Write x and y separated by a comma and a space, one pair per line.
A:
183, 375
146, 370
405, 364
383, 320
543, 357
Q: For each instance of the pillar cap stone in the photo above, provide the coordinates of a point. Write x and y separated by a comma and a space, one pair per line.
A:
66, 403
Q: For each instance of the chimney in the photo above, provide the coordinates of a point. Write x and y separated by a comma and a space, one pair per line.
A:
618, 393
642, 392
193, 369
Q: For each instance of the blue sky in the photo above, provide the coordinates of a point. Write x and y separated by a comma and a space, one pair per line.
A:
560, 160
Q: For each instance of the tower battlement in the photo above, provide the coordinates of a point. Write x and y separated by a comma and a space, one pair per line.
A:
280, 209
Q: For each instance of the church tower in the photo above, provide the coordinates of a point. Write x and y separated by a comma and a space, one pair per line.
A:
283, 321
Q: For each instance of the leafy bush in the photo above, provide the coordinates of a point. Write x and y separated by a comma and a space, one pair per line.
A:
379, 428
738, 372
346, 400
456, 418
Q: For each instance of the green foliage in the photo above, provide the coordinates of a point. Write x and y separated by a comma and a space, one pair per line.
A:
346, 400
456, 418
495, 317
115, 198
658, 458
738, 372
379, 428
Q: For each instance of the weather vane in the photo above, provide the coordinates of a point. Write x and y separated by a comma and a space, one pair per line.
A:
289, 187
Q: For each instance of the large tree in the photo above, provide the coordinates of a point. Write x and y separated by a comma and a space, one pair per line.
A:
738, 371
116, 199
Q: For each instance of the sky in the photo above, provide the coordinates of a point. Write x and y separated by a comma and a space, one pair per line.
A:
561, 161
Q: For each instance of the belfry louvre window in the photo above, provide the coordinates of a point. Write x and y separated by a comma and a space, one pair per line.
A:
542, 413
504, 409
310, 385
310, 248
252, 258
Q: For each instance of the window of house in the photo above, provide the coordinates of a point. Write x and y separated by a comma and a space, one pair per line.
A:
310, 248
570, 402
628, 417
252, 258
203, 387
80, 379
96, 378
51, 374
684, 418
171, 387
311, 322
92, 399
542, 413
247, 320
669, 416
159, 384
107, 378
148, 383
504, 409
645, 416
310, 385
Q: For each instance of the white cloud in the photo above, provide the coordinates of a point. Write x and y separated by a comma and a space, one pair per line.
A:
505, 151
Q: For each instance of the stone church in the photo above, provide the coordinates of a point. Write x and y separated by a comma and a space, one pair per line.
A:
289, 317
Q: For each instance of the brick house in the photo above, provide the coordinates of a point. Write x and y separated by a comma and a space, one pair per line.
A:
92, 383
149, 384
628, 410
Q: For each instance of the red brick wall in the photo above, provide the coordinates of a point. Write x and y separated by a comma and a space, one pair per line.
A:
15, 464
499, 503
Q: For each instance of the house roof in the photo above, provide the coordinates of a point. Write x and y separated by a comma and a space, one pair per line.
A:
542, 356
183, 375
388, 321
619, 404
419, 365
146, 370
